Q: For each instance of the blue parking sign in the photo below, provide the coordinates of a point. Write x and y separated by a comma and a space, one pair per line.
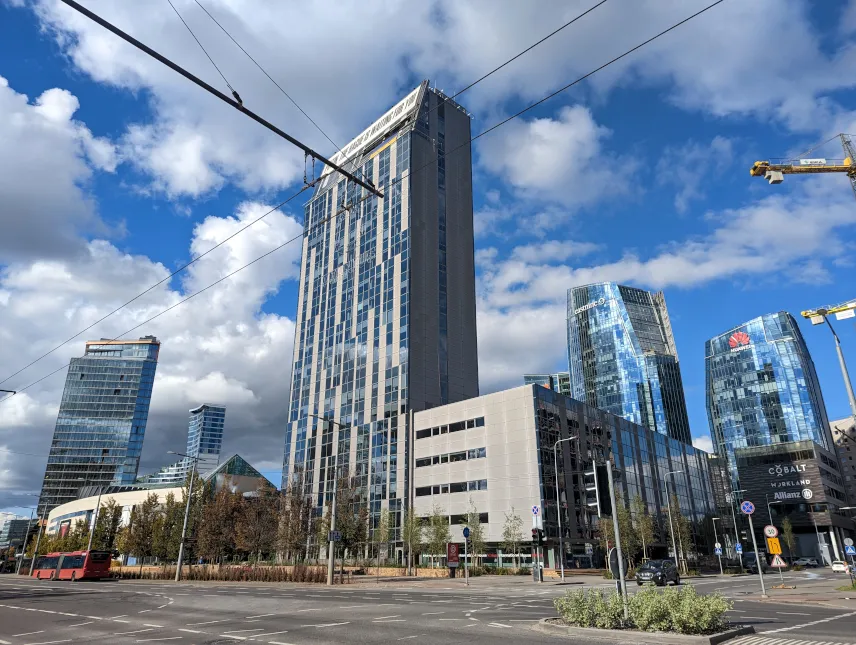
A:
717, 551
738, 548
850, 550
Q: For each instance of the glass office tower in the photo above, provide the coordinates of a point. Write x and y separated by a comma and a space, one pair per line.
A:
622, 357
762, 388
559, 382
204, 441
102, 418
386, 316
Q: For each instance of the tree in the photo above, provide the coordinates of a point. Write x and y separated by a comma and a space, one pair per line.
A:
216, 535
477, 541
106, 525
295, 512
439, 534
411, 534
512, 535
644, 524
381, 532
257, 522
168, 529
144, 520
683, 531
788, 537
629, 539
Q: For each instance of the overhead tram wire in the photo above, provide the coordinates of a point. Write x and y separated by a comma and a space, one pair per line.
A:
409, 174
212, 90
157, 284
205, 51
180, 269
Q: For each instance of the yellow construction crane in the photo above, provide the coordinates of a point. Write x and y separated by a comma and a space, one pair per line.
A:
843, 311
775, 173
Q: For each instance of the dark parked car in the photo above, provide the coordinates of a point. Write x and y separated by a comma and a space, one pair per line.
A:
751, 564
659, 572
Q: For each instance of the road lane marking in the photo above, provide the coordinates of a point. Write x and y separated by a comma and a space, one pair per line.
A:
302, 610
240, 638
395, 620
65, 640
278, 643
191, 631
88, 622
385, 617
241, 631
792, 613
142, 611
151, 640
353, 606
327, 624
207, 622
266, 634
136, 631
433, 613
2, 642
118, 620
41, 631
151, 625
261, 615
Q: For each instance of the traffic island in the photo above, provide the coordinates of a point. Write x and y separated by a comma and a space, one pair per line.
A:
557, 627
675, 615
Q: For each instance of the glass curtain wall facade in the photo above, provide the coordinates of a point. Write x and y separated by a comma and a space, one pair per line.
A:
102, 419
622, 357
386, 306
204, 440
762, 387
559, 382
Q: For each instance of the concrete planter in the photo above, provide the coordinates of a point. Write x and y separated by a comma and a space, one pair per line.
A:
554, 627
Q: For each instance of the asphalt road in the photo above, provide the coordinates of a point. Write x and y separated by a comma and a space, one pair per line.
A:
491, 610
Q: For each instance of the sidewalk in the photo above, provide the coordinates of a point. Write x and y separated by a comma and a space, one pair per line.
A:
820, 592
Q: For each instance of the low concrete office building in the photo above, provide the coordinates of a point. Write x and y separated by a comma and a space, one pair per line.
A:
495, 453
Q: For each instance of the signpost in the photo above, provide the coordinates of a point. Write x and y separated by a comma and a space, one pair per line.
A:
537, 526
771, 531
738, 548
748, 508
453, 555
466, 555
334, 536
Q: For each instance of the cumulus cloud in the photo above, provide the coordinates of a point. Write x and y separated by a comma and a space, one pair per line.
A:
46, 163
689, 167
703, 442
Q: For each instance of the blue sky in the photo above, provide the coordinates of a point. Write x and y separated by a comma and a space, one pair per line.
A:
121, 170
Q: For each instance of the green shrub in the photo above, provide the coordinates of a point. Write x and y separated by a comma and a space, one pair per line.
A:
693, 572
523, 571
681, 610
797, 567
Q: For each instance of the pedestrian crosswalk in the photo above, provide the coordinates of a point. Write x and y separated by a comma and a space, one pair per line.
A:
762, 640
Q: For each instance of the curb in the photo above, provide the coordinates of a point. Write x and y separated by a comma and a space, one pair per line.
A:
633, 637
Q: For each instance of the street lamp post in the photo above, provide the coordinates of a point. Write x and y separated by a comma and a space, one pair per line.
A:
669, 506
95, 518
331, 545
559, 504
24, 545
852, 558
734, 520
716, 540
770, 515
195, 461
824, 314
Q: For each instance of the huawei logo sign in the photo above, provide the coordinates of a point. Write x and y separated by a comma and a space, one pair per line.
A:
738, 339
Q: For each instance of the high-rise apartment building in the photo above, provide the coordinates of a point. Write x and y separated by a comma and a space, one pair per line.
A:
102, 418
622, 357
386, 317
204, 442
559, 382
762, 388
844, 437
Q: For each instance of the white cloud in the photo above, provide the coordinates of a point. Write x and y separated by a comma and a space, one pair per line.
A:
217, 347
46, 162
703, 443
561, 160
553, 251
691, 166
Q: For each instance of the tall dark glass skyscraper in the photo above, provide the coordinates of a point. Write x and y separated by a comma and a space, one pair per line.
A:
386, 316
622, 357
102, 418
762, 388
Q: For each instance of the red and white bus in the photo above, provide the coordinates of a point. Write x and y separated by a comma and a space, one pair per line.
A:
77, 565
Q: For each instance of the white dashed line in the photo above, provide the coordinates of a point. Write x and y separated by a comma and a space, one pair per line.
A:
41, 631
192, 631
261, 615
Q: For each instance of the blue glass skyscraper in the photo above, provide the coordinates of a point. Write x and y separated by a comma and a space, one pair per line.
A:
386, 316
762, 388
622, 357
102, 418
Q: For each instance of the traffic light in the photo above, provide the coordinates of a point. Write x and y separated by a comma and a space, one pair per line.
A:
597, 484
543, 535
539, 536
535, 536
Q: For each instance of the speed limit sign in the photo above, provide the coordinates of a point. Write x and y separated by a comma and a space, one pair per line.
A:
771, 531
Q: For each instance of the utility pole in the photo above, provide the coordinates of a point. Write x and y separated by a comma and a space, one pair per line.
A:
331, 544
669, 506
621, 572
559, 504
820, 316
38, 541
194, 460
716, 540
95, 518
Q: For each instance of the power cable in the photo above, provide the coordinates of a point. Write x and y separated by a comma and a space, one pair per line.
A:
399, 179
205, 51
531, 47
257, 64
157, 284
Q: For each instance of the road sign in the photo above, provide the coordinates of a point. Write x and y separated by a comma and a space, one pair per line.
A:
613, 564
777, 562
774, 546
466, 531
717, 545
848, 541
589, 548
738, 547
334, 536
850, 550
771, 531
747, 507
536, 510
453, 554
717, 550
